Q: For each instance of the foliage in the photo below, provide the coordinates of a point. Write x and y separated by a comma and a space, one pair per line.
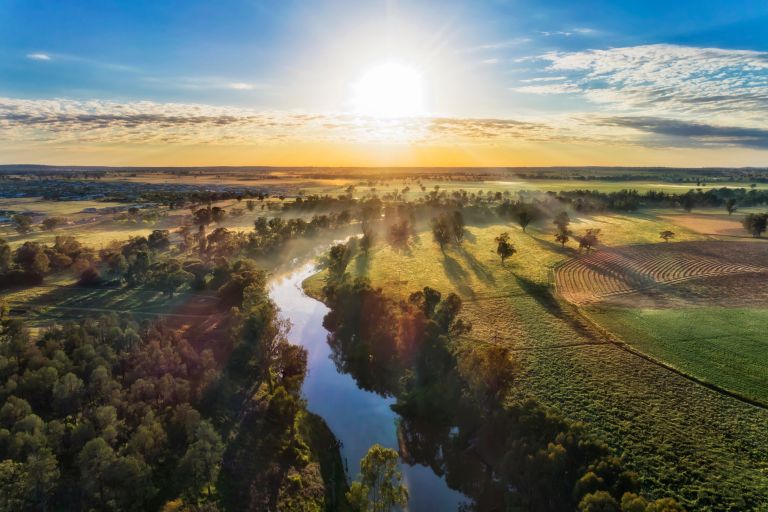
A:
504, 248
379, 487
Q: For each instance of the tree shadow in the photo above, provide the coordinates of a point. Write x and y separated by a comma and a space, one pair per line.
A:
362, 264
556, 247
476, 266
457, 275
542, 294
470, 237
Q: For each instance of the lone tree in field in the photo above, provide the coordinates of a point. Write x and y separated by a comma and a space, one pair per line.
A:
525, 216
504, 247
590, 239
22, 223
379, 488
441, 231
730, 205
667, 235
562, 221
755, 223
562, 237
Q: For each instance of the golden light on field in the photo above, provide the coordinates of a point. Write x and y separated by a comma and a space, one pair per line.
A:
390, 89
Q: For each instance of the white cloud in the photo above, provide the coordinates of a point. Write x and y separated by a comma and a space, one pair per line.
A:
38, 56
59, 122
542, 79
241, 86
564, 88
490, 61
662, 79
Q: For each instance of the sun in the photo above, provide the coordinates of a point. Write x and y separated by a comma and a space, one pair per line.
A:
390, 89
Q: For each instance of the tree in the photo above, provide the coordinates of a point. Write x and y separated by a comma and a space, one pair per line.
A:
457, 226
201, 463
170, 275
730, 205
667, 235
68, 393
600, 501
158, 240
562, 221
51, 223
379, 487
337, 261
5, 256
94, 462
562, 237
488, 370
525, 216
755, 223
590, 239
441, 231
90, 277
14, 483
22, 223
43, 475
31, 258
218, 214
504, 247
250, 204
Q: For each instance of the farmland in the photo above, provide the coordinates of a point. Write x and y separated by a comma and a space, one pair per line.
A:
654, 348
573, 366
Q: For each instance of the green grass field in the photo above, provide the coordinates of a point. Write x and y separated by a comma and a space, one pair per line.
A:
722, 346
684, 439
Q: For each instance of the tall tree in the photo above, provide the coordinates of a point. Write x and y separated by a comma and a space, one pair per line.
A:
200, 465
441, 231
379, 487
755, 223
590, 239
504, 247
730, 205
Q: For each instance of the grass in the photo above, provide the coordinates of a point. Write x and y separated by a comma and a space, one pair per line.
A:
723, 346
685, 440
62, 299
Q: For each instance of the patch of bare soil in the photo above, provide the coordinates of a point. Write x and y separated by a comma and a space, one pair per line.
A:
661, 275
708, 224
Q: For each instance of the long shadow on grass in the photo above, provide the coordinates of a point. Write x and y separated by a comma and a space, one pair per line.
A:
457, 275
478, 268
542, 294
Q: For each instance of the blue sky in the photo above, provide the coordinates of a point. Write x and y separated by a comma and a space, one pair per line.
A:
584, 80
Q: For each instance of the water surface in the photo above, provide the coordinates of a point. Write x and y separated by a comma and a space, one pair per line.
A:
358, 418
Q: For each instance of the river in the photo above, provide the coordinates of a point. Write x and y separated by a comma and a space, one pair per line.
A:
357, 417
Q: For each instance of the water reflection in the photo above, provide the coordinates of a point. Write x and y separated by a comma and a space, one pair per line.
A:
358, 418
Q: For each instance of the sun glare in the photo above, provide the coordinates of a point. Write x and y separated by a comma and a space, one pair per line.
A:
389, 90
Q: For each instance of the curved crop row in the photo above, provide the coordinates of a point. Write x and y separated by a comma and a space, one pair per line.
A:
608, 272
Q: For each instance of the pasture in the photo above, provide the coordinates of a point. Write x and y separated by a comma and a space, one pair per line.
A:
669, 428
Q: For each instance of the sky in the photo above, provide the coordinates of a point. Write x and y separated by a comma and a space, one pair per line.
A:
394, 83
